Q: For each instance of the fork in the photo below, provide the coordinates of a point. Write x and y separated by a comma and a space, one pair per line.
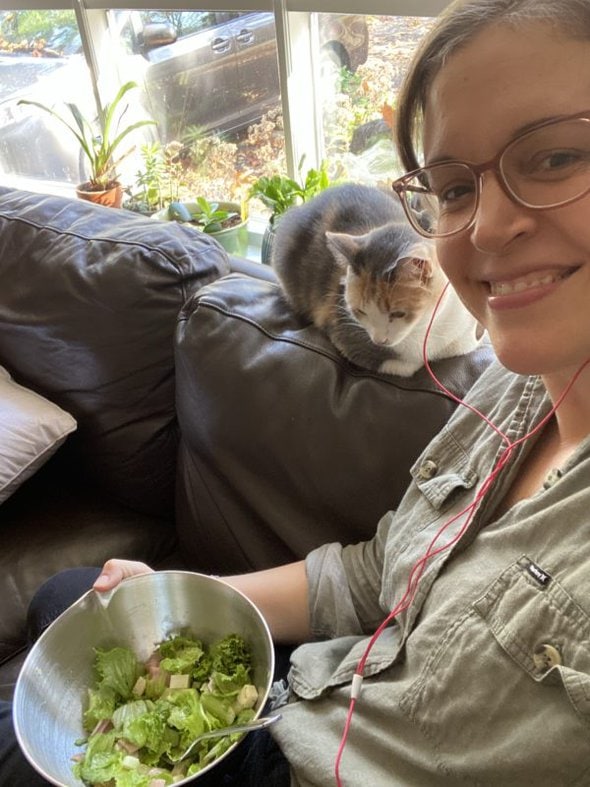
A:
248, 726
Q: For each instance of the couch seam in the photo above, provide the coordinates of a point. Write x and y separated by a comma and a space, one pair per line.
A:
208, 301
101, 238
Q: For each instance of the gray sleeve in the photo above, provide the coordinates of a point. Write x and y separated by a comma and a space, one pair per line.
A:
344, 586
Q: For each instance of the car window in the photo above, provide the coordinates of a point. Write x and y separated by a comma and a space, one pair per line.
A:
183, 22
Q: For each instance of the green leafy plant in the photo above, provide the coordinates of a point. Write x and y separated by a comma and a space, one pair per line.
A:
209, 217
147, 194
280, 192
159, 180
99, 149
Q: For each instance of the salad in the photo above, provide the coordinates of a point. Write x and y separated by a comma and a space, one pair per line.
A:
142, 716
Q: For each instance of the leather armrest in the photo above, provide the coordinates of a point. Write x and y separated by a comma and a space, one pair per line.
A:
284, 444
255, 269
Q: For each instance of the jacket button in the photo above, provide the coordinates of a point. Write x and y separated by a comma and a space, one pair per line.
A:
552, 478
546, 656
428, 469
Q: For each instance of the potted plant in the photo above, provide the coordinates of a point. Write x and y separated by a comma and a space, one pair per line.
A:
154, 184
103, 185
280, 192
226, 221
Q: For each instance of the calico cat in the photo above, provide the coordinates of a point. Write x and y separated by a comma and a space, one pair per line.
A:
349, 261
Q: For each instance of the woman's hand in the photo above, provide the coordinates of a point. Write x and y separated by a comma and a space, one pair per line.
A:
115, 571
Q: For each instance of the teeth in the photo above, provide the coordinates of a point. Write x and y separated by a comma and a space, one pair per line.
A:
519, 285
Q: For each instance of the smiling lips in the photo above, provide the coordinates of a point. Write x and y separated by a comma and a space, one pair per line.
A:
529, 282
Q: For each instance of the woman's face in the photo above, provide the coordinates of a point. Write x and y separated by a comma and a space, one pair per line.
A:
525, 274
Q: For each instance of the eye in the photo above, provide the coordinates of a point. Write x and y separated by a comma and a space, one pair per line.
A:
455, 194
453, 185
359, 313
555, 163
396, 315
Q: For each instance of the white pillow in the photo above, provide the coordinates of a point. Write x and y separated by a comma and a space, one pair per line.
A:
31, 430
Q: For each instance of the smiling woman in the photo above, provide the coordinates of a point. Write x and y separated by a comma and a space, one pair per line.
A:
523, 236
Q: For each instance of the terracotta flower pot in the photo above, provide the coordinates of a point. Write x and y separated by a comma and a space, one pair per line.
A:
111, 198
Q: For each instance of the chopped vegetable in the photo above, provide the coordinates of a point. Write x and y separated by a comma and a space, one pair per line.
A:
141, 717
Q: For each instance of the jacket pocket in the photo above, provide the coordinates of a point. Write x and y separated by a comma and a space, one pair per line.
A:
555, 645
505, 697
318, 667
445, 467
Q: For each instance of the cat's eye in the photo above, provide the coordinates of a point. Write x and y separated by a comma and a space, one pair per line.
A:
360, 313
397, 315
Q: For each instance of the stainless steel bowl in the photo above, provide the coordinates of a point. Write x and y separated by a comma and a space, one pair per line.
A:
141, 612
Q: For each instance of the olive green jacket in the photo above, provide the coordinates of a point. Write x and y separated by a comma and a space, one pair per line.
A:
485, 678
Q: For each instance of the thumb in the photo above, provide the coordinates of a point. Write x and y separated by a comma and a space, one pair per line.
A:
115, 571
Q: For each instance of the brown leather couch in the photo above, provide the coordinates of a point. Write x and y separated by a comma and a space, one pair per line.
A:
215, 430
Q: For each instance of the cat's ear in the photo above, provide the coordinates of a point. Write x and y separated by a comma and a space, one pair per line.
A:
344, 247
417, 263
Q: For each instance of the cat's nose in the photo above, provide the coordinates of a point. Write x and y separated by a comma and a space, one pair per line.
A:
382, 341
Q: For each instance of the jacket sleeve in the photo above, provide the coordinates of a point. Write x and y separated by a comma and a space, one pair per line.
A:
345, 586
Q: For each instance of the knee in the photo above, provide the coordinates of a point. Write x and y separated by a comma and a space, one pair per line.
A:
55, 595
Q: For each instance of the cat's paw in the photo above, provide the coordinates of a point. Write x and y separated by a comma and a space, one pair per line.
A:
400, 368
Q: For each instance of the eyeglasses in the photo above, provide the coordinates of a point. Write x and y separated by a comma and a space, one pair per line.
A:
545, 167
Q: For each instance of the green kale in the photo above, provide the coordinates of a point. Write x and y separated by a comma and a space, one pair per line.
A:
230, 654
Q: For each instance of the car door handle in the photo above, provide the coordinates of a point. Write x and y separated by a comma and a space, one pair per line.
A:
221, 45
245, 37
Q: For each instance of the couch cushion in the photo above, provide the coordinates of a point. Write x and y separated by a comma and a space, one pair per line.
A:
285, 445
31, 430
88, 307
56, 520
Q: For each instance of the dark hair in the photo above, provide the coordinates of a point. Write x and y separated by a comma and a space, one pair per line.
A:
458, 24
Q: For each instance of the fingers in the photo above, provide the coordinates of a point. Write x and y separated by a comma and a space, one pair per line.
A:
115, 571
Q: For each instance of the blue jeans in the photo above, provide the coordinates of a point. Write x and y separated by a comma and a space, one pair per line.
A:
256, 761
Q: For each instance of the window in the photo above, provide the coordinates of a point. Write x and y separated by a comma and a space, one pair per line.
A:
236, 92
41, 60
358, 89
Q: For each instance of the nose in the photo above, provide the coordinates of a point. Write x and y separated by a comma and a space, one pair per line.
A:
499, 220
380, 339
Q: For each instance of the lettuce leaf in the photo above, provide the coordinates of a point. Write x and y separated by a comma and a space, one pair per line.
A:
101, 705
184, 656
230, 684
219, 708
118, 669
101, 760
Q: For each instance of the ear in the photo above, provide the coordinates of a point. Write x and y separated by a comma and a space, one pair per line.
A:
418, 262
344, 247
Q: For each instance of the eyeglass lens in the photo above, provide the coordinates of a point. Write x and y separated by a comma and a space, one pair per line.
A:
544, 168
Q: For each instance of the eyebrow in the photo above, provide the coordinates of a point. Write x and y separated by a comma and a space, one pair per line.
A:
445, 157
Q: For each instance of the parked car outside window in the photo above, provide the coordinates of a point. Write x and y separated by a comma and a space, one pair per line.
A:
203, 70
